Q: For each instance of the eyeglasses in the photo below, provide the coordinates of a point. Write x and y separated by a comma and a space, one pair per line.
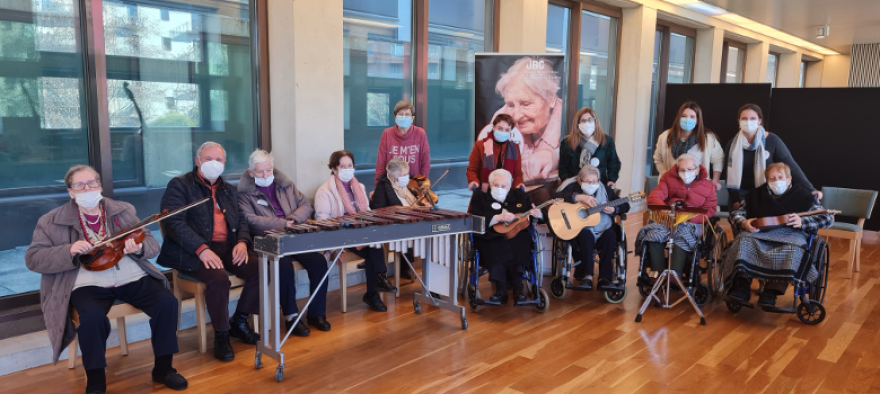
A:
588, 120
93, 184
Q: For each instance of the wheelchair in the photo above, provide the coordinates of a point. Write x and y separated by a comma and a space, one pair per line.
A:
705, 259
564, 265
810, 294
532, 274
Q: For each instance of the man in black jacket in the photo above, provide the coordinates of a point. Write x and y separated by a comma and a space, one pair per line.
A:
209, 240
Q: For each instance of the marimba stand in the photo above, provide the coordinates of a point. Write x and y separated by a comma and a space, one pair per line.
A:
673, 215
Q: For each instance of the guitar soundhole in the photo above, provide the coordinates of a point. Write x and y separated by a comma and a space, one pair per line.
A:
582, 213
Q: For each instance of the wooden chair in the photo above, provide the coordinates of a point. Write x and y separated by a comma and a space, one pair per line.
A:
854, 203
185, 285
347, 263
118, 311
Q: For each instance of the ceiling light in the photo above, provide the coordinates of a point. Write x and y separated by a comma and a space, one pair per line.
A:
823, 32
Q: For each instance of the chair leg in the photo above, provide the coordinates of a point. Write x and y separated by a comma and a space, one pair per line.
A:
123, 338
852, 257
71, 358
397, 260
858, 252
200, 320
343, 286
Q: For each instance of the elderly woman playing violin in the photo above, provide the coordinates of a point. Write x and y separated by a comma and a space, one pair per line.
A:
67, 232
772, 256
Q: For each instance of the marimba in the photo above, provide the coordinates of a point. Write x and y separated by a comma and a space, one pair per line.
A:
431, 234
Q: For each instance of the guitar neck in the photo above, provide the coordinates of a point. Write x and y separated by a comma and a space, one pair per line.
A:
821, 211
526, 213
619, 201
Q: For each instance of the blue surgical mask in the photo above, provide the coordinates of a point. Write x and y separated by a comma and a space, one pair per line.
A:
403, 121
687, 124
501, 136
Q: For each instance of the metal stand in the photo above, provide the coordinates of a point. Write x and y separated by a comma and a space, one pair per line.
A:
664, 284
450, 302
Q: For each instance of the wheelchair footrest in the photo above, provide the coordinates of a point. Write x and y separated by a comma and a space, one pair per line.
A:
778, 310
732, 300
612, 287
526, 303
585, 287
486, 302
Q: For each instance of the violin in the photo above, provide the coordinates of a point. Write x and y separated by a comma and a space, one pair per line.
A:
774, 222
420, 186
107, 253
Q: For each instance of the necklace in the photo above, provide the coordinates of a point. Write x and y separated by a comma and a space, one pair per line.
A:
98, 219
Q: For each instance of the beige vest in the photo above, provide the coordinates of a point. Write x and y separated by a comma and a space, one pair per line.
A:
125, 272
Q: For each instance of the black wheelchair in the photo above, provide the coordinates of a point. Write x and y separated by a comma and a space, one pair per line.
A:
564, 265
811, 294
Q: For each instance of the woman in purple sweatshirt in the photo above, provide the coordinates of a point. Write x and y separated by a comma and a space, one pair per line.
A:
404, 141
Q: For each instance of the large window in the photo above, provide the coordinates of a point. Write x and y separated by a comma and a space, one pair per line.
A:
673, 63
803, 75
733, 60
772, 67
177, 74
558, 25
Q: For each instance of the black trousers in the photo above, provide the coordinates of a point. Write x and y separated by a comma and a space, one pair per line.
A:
148, 294
217, 286
316, 266
507, 275
606, 244
374, 263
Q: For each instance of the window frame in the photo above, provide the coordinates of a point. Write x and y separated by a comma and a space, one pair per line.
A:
776, 68
724, 54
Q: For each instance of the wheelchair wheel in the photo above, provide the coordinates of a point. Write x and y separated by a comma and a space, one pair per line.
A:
557, 288
473, 294
543, 301
733, 306
615, 296
700, 294
817, 288
716, 278
645, 290
812, 314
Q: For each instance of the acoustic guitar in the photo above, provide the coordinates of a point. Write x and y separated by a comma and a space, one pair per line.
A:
774, 222
512, 228
568, 219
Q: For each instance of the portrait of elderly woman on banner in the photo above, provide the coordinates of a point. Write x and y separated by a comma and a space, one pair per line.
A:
528, 88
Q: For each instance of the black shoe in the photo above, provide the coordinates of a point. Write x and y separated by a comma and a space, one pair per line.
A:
362, 265
242, 330
301, 330
767, 299
518, 297
372, 299
222, 348
741, 292
96, 381
172, 380
319, 322
500, 297
384, 285
404, 273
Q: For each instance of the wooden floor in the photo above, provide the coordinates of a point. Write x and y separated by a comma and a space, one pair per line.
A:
581, 343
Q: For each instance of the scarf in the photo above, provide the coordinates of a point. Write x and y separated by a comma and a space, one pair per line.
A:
681, 147
604, 220
509, 159
588, 149
735, 166
359, 195
761, 202
406, 197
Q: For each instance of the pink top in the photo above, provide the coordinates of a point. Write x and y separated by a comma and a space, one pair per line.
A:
412, 147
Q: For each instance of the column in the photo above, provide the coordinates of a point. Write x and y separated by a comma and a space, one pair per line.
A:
707, 64
306, 87
523, 26
634, 94
835, 71
789, 70
756, 63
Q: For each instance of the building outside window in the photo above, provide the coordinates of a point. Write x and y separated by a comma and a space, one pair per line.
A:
772, 68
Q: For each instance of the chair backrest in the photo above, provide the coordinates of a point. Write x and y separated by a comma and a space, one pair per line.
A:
850, 202
723, 195
650, 183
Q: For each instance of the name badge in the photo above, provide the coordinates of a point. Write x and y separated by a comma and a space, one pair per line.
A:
594, 161
496, 205
263, 203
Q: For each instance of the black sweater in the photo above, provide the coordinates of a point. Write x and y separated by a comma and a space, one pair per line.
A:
778, 153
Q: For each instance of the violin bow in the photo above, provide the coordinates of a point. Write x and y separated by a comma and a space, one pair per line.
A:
153, 219
424, 192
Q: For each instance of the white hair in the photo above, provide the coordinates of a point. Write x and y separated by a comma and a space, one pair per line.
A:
260, 156
684, 157
502, 173
586, 170
538, 83
209, 144
396, 165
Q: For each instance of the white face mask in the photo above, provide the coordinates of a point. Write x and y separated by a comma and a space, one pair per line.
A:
587, 129
589, 188
749, 126
212, 170
499, 194
345, 174
403, 181
687, 176
88, 200
265, 182
779, 187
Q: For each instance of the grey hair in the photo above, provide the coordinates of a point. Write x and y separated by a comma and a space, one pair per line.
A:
209, 144
587, 170
686, 156
395, 165
503, 173
260, 156
538, 83
68, 178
